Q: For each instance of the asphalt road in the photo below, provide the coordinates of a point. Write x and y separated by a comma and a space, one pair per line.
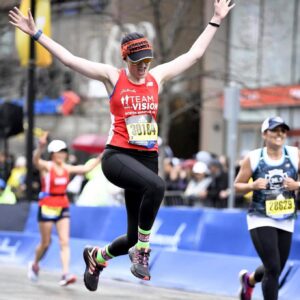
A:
14, 285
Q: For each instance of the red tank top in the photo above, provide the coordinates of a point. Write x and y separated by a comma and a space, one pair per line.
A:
53, 189
133, 110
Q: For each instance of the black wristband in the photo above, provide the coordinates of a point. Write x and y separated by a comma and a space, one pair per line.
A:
37, 35
214, 24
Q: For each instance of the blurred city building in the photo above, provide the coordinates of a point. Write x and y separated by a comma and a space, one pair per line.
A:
258, 50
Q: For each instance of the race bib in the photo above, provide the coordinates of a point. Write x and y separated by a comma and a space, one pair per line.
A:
280, 208
51, 212
142, 130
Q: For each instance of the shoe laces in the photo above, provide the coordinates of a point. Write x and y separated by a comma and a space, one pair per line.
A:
96, 267
142, 257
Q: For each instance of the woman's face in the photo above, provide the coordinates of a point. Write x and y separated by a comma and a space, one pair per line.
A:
139, 70
276, 136
59, 157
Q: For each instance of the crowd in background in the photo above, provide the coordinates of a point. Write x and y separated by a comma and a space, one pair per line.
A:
201, 181
196, 183
12, 178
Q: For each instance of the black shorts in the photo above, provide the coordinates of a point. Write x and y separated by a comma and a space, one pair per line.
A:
54, 214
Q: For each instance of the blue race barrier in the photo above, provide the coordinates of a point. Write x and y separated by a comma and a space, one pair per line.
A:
177, 228
208, 230
17, 247
98, 223
199, 271
291, 289
95, 223
225, 231
14, 217
31, 225
193, 249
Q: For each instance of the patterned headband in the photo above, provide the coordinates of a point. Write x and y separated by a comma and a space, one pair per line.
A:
135, 46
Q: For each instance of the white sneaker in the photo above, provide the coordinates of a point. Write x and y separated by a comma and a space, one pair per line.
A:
67, 279
33, 272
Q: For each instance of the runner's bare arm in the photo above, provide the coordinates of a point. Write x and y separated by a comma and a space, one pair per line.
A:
180, 64
98, 71
82, 169
41, 164
241, 183
90, 69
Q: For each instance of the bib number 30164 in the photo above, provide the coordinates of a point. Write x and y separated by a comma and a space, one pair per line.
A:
142, 130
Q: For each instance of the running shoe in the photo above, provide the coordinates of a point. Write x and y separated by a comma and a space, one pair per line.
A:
246, 289
33, 271
140, 262
67, 279
92, 269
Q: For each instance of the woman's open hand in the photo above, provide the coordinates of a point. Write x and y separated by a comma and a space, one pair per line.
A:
26, 24
43, 140
222, 8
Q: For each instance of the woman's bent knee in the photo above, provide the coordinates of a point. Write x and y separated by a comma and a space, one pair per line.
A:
45, 244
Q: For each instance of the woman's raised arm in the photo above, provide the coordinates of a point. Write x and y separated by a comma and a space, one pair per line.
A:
98, 71
180, 64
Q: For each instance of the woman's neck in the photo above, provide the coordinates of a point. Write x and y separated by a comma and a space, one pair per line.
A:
133, 79
58, 164
274, 153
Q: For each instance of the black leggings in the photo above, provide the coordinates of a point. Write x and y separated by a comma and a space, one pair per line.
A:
135, 172
273, 247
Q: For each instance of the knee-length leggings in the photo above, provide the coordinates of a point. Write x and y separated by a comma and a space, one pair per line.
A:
137, 173
273, 247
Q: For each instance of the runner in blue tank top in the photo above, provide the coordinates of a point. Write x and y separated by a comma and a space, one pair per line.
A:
274, 170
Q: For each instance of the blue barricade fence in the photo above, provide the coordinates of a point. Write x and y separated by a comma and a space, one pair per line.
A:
193, 249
